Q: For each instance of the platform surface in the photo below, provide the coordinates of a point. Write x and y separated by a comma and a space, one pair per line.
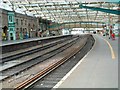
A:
98, 69
27, 40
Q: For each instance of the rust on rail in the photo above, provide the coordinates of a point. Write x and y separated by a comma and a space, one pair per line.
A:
50, 67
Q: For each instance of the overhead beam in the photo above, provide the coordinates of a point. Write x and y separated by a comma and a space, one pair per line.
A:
74, 26
117, 12
55, 26
82, 26
84, 22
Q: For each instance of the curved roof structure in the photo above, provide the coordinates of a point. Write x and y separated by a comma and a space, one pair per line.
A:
66, 11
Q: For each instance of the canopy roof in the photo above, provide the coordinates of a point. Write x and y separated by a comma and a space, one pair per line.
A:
64, 11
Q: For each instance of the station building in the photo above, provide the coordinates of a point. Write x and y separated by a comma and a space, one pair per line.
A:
17, 26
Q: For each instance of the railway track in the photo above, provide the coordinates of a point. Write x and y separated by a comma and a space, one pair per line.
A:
18, 68
28, 52
84, 48
50, 80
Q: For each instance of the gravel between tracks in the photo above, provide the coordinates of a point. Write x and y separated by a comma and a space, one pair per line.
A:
12, 82
54, 77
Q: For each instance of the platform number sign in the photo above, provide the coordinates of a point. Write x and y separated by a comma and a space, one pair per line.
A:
11, 26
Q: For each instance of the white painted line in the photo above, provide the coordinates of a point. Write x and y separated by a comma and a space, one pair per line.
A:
70, 72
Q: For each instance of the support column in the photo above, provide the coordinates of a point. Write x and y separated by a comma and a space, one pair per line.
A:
109, 22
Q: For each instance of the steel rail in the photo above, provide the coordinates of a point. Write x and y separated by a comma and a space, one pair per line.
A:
50, 68
22, 54
27, 67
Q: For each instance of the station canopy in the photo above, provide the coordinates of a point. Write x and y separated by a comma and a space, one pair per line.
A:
64, 11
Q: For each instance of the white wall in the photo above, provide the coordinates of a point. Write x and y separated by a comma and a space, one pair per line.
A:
77, 31
65, 31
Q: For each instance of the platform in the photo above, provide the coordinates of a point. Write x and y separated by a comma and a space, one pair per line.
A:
98, 69
4, 43
10, 46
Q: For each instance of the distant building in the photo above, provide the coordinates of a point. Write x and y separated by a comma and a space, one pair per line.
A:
18, 26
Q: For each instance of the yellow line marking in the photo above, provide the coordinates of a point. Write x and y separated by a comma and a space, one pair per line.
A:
111, 49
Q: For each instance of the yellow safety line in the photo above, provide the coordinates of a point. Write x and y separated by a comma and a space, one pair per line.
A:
112, 51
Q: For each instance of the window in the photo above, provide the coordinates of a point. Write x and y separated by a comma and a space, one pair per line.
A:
10, 19
11, 29
25, 22
33, 26
11, 34
29, 25
25, 29
20, 29
21, 22
17, 21
17, 29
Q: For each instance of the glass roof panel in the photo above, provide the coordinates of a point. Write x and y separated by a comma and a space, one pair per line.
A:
65, 10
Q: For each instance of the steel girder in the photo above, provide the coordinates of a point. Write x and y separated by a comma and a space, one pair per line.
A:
117, 12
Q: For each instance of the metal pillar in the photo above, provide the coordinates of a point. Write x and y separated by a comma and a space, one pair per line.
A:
109, 22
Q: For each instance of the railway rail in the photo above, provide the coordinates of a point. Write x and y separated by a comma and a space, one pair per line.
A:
18, 68
50, 80
31, 51
50, 68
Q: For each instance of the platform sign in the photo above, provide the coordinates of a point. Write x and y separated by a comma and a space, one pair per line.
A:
11, 26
